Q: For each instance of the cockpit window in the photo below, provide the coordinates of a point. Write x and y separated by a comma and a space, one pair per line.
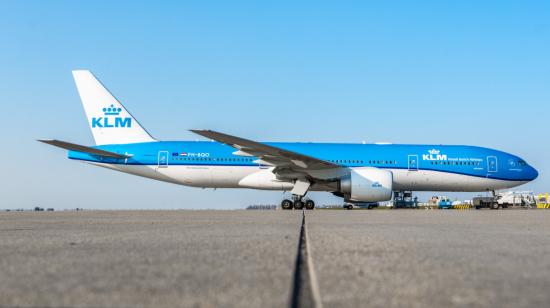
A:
522, 163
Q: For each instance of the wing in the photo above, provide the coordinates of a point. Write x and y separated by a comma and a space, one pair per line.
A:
285, 161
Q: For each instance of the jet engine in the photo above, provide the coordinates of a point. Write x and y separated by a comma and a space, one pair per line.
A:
367, 185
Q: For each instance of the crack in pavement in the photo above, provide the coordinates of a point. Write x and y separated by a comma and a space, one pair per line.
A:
305, 289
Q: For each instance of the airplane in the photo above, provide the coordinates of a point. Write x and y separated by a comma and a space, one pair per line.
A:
356, 172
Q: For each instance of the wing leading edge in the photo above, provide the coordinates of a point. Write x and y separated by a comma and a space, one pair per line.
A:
284, 160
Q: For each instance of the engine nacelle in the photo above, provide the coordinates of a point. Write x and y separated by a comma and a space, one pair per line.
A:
367, 185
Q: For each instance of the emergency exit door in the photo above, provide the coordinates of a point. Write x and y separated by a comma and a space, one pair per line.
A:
413, 163
163, 159
492, 165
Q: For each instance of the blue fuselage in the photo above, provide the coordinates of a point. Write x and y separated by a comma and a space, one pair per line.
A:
453, 159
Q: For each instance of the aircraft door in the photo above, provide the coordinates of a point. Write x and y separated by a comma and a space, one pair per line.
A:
492, 165
163, 159
413, 163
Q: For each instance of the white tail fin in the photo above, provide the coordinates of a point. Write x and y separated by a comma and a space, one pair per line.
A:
109, 121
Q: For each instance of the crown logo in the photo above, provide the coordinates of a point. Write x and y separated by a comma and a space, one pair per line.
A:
111, 110
433, 152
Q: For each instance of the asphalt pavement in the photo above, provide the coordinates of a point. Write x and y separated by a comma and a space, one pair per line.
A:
437, 258
379, 258
147, 258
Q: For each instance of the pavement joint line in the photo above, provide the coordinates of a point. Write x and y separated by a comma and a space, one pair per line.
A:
305, 289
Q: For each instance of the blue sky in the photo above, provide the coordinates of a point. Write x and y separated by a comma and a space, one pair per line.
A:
453, 72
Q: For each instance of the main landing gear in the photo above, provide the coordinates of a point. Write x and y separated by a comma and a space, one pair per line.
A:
298, 204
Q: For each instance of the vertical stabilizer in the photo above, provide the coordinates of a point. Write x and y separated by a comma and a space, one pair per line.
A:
109, 121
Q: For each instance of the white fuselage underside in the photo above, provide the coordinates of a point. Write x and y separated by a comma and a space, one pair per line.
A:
262, 178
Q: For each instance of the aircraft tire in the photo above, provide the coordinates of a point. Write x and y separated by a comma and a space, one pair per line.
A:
310, 205
286, 204
298, 205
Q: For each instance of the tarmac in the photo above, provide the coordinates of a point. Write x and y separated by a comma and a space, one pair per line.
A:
331, 258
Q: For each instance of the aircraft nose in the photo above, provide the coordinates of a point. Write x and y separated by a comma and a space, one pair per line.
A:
533, 173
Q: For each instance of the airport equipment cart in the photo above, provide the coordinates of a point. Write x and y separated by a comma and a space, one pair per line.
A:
485, 202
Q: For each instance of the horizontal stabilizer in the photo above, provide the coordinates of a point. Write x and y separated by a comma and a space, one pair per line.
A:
82, 148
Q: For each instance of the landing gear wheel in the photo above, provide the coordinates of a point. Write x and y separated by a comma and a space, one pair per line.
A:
310, 205
286, 204
298, 205
348, 206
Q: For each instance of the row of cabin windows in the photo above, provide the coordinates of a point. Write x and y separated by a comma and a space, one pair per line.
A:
338, 161
465, 163
213, 159
379, 162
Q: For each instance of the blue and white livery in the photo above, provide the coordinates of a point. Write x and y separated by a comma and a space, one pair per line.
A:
356, 172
